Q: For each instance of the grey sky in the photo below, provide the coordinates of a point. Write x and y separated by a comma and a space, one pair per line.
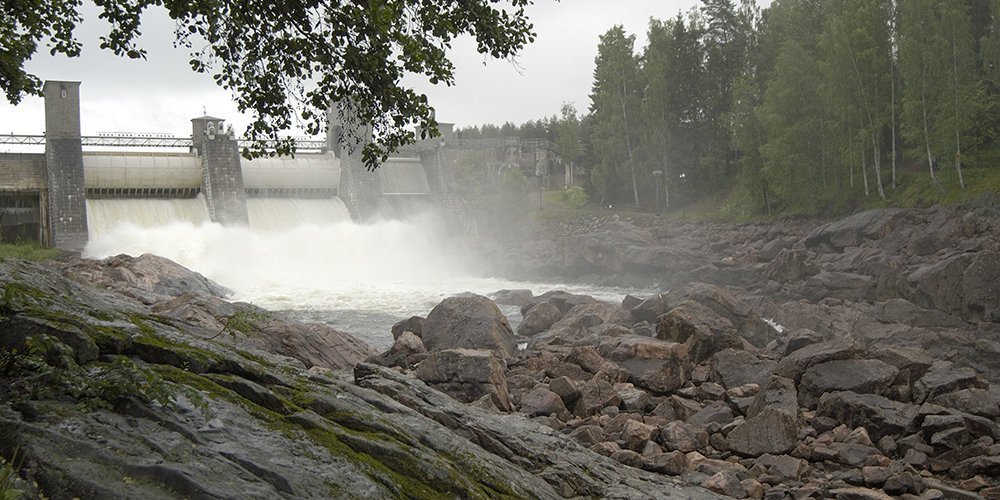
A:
162, 94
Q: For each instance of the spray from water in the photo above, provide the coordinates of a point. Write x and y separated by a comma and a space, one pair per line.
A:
308, 256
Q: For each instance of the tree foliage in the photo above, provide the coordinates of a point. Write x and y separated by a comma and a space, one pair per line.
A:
803, 106
285, 62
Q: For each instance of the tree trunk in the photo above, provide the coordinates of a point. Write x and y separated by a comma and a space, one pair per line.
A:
628, 140
878, 168
927, 133
892, 89
958, 138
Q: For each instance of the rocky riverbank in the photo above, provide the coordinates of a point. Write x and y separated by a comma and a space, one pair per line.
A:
134, 378
873, 375
793, 359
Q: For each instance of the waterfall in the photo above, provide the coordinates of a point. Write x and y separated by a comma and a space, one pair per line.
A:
104, 216
276, 214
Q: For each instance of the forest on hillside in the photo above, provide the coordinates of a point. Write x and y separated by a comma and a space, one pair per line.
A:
807, 106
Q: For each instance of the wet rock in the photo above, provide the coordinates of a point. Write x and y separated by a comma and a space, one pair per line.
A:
538, 319
148, 278
903, 311
679, 436
796, 363
943, 377
716, 412
747, 323
542, 401
770, 431
783, 467
652, 364
589, 434
726, 483
915, 362
673, 463
734, 368
595, 395
636, 434
633, 399
938, 285
801, 338
413, 324
405, 351
853, 230
587, 358
701, 329
985, 466
517, 297
466, 375
468, 322
879, 415
779, 394
790, 265
856, 455
858, 493
575, 325
627, 457
649, 309
975, 401
865, 376
566, 389
980, 288
564, 301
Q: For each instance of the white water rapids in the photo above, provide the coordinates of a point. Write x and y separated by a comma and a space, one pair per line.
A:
308, 258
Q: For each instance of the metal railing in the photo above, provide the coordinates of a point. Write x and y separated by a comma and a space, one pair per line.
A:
146, 141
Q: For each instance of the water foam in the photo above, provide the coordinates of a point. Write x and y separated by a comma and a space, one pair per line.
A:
359, 277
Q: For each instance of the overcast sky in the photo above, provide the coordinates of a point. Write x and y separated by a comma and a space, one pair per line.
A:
162, 94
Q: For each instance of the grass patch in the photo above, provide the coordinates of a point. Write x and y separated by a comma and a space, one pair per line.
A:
27, 250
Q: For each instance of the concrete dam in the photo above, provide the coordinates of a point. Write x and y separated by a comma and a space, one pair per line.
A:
74, 191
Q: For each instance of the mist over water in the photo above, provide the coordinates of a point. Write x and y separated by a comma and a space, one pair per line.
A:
307, 257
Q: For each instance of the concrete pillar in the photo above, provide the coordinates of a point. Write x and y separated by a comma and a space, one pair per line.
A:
222, 174
360, 188
67, 202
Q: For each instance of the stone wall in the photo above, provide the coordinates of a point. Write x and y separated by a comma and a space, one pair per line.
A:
222, 182
22, 172
67, 202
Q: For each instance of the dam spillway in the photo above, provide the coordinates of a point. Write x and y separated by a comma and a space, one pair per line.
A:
55, 197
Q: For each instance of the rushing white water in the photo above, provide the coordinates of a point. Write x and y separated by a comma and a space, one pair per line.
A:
278, 214
360, 278
106, 215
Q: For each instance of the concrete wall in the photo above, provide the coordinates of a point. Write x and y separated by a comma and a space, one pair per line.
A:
67, 203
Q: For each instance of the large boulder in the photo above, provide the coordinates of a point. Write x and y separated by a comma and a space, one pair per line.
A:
771, 431
564, 301
796, 363
747, 323
866, 376
938, 285
538, 319
577, 324
942, 378
734, 368
652, 364
148, 278
700, 328
854, 230
790, 265
468, 322
878, 415
313, 344
466, 375
981, 288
